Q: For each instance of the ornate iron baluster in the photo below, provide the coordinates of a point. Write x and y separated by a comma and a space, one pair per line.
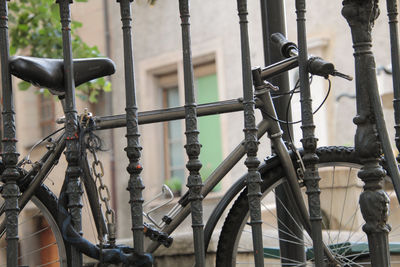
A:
253, 178
373, 201
135, 184
10, 155
394, 44
74, 188
192, 143
310, 158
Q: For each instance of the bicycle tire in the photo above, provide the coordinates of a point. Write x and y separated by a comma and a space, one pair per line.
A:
234, 245
40, 239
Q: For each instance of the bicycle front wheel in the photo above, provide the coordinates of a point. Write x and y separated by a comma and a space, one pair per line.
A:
342, 219
40, 240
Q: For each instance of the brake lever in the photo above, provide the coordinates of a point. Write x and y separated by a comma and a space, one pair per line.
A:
321, 67
342, 75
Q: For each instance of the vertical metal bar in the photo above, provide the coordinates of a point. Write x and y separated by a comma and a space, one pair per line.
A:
394, 45
253, 178
373, 200
10, 155
193, 146
273, 20
133, 149
110, 110
74, 189
310, 158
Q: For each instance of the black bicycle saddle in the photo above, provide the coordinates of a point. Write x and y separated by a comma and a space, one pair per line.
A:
49, 73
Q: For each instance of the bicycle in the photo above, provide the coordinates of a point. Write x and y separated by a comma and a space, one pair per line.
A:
287, 164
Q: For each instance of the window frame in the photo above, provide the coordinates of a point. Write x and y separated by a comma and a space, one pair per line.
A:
171, 78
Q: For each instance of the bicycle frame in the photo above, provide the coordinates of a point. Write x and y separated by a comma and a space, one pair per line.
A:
182, 209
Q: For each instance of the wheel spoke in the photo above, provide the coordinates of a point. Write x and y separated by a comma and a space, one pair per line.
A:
39, 235
48, 263
289, 232
277, 238
344, 203
291, 216
37, 250
331, 206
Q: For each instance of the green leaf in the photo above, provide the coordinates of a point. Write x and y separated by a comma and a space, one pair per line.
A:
101, 81
13, 50
107, 87
23, 27
13, 7
93, 96
76, 24
23, 86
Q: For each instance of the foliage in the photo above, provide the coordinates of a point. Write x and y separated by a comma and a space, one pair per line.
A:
35, 26
175, 184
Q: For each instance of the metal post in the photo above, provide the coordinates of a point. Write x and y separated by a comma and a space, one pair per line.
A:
394, 45
133, 149
273, 20
310, 158
74, 188
253, 179
193, 146
373, 201
10, 156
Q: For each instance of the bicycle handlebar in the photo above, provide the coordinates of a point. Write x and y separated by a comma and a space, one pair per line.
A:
320, 67
287, 48
315, 65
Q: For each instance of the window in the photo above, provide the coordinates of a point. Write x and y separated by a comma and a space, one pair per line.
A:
46, 114
206, 88
173, 139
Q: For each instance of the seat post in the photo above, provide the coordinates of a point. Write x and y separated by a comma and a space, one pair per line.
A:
74, 188
9, 144
63, 104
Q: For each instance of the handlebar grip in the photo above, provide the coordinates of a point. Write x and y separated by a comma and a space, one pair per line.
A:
286, 47
320, 67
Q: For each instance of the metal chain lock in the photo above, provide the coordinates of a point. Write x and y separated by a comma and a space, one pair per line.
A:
104, 195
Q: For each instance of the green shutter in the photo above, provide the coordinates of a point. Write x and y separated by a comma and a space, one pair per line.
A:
209, 126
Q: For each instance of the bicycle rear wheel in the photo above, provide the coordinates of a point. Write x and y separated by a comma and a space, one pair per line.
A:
40, 239
342, 219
